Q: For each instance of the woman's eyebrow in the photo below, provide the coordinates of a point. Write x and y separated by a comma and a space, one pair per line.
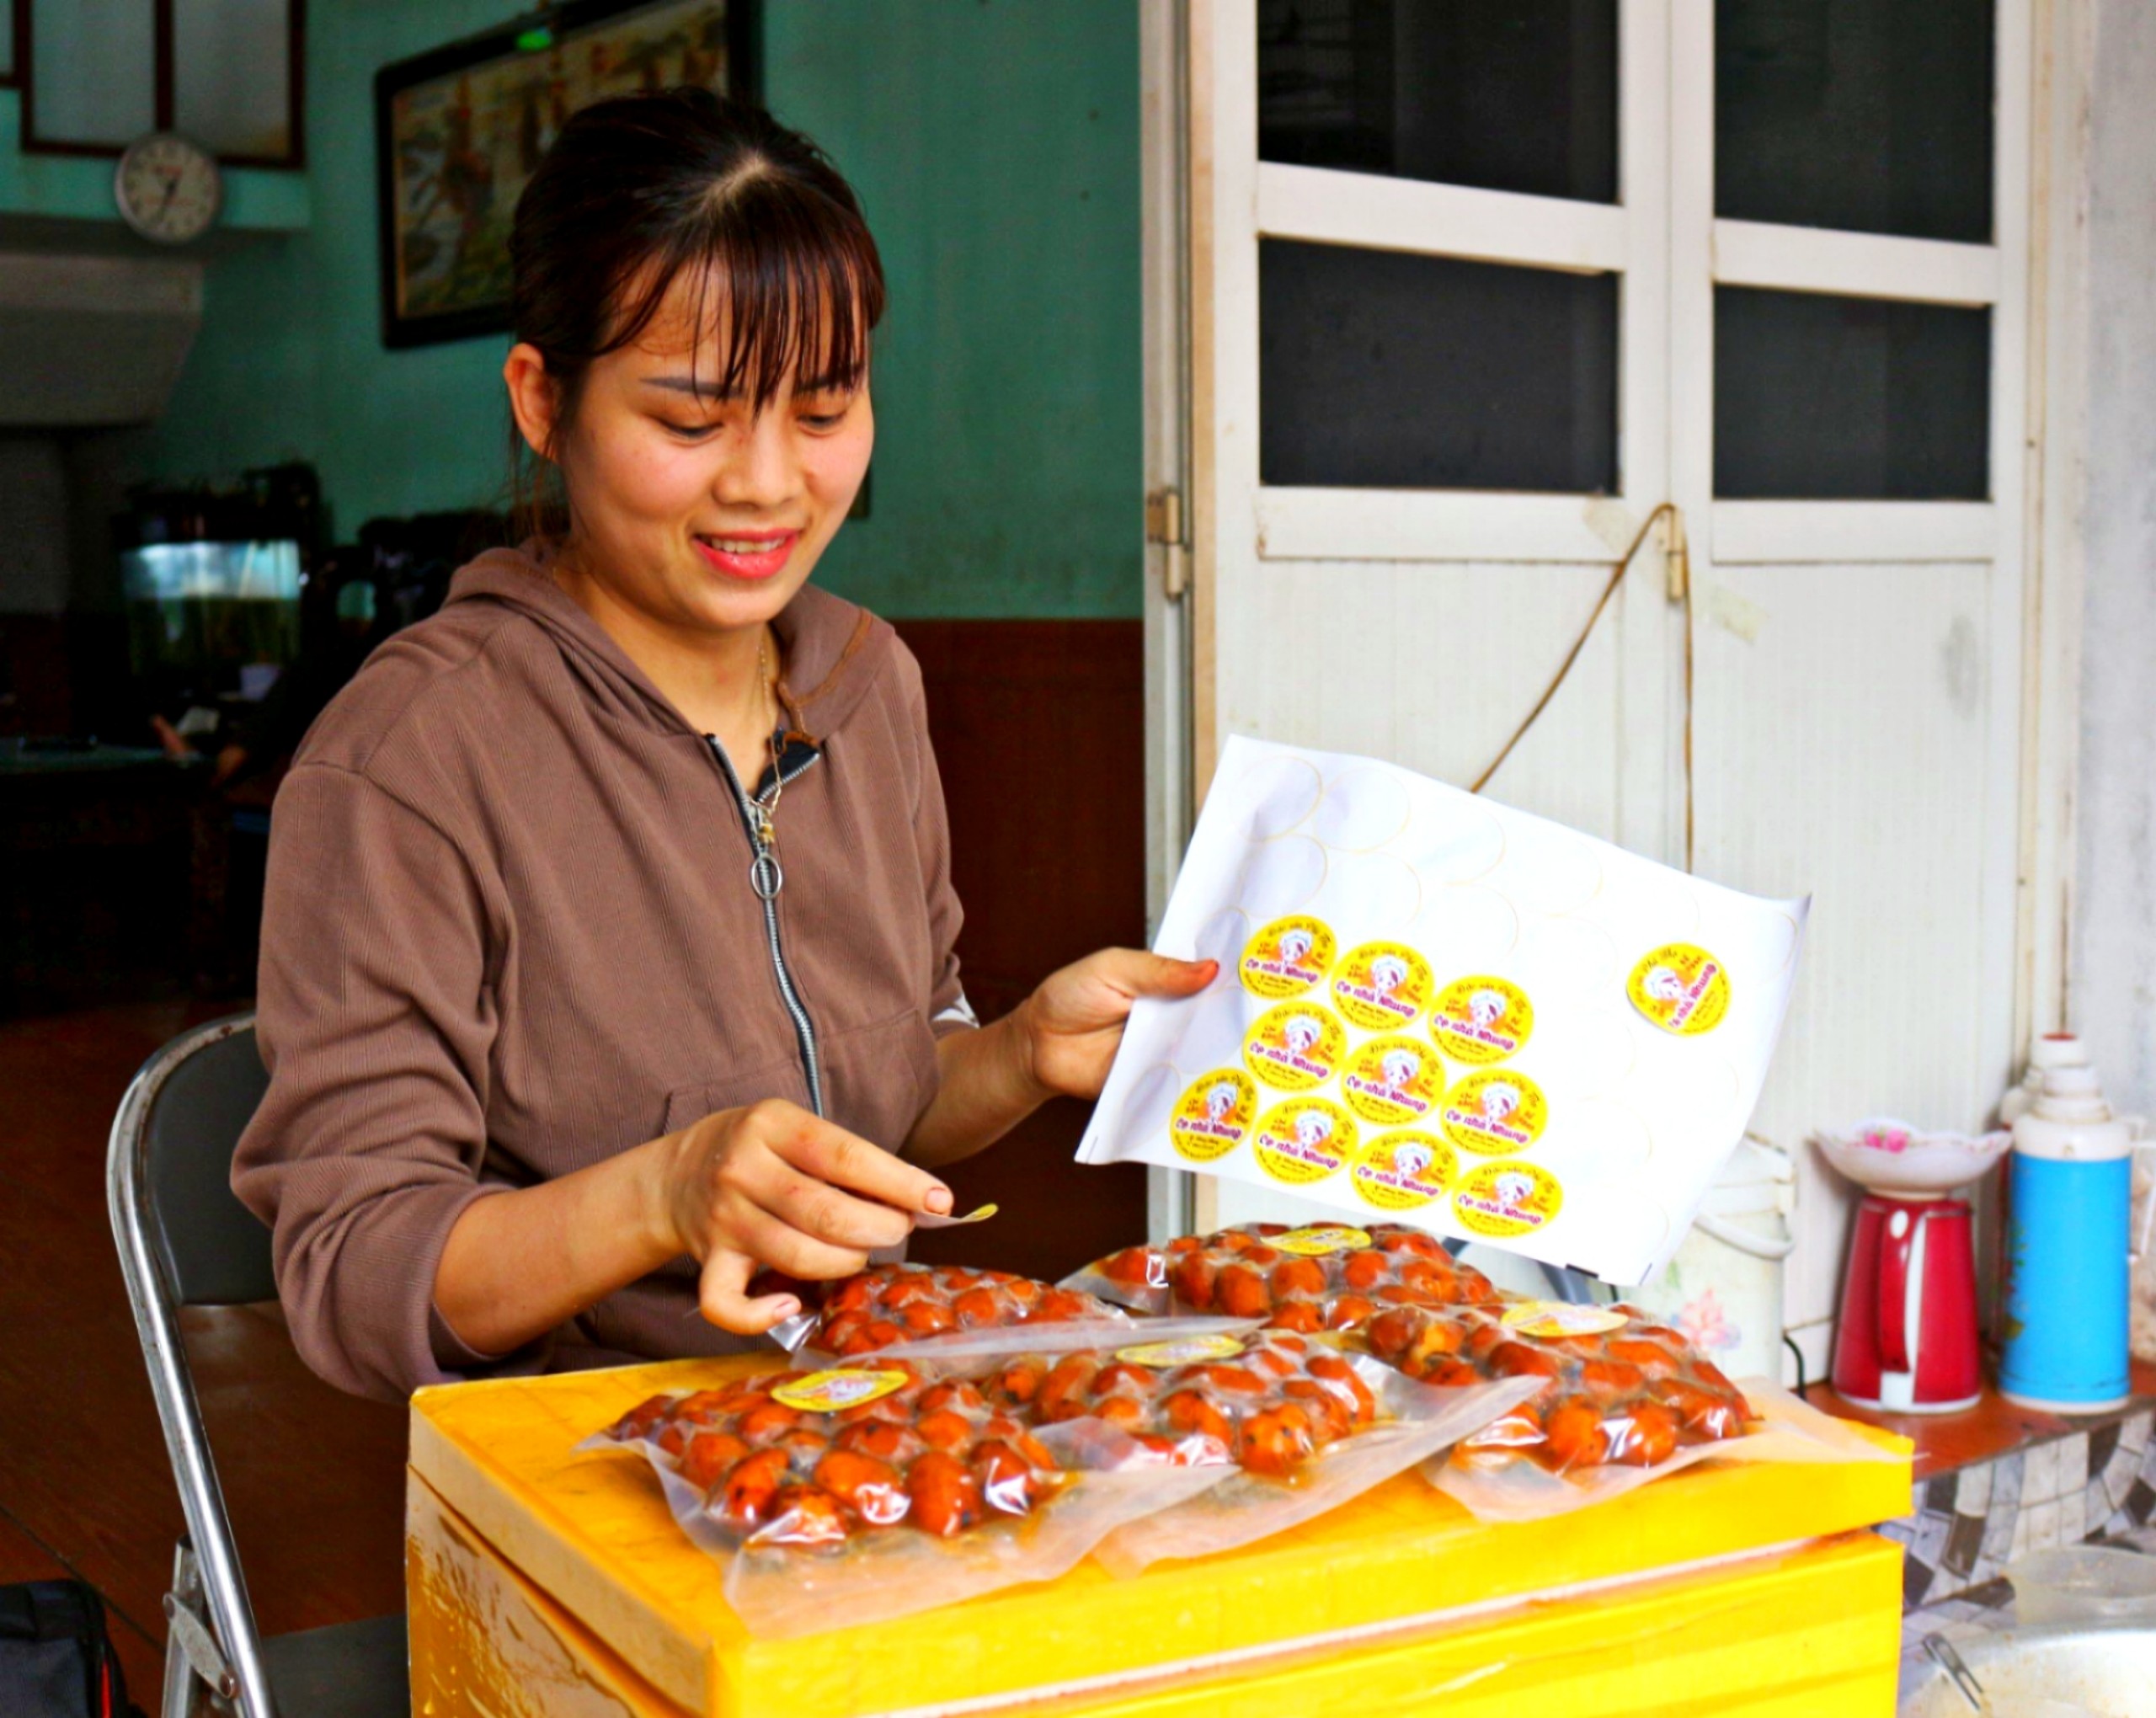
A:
689, 385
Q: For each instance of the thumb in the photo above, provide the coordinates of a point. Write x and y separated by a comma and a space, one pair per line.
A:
1163, 975
723, 1296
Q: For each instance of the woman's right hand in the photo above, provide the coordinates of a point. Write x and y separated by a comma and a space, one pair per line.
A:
772, 1185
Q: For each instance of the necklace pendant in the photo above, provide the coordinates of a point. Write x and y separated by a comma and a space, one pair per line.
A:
767, 830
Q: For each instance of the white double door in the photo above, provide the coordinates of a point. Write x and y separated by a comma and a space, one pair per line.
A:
1427, 408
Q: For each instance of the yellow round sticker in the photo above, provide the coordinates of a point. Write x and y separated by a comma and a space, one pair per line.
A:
1304, 1140
1495, 1112
1403, 1171
1287, 958
1481, 1019
1561, 1318
1319, 1239
1394, 1081
1295, 1046
1213, 1115
1382, 986
840, 1387
1507, 1198
1680, 988
1182, 1351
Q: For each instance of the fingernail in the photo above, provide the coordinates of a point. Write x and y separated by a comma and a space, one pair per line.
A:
938, 1200
787, 1308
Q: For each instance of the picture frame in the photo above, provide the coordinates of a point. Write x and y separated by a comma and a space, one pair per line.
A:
458, 130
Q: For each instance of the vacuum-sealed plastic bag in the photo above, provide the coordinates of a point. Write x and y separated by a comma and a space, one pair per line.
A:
1325, 1275
863, 1492
886, 1305
1617, 1400
1435, 1009
1293, 1425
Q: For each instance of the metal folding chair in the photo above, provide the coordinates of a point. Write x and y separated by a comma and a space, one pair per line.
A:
186, 1240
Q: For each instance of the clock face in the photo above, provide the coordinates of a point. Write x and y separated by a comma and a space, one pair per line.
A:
167, 188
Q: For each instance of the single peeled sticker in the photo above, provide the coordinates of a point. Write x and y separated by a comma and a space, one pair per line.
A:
1183, 1351
1382, 986
839, 1387
1496, 1113
1287, 958
1561, 1318
1481, 1019
1213, 1115
1680, 988
1295, 1046
1500, 1199
1394, 1081
1305, 1139
1401, 1171
1320, 1241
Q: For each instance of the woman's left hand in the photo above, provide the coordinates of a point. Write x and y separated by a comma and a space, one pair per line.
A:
1074, 1022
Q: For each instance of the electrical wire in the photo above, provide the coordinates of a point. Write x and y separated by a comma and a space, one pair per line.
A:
1681, 582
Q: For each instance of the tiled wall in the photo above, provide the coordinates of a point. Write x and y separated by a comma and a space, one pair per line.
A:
1971, 1523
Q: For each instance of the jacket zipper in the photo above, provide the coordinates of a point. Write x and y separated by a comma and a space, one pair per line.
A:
767, 877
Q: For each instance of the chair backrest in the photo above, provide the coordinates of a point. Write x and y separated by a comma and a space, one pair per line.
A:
200, 1092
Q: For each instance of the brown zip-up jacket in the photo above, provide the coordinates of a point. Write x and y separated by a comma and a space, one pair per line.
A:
510, 930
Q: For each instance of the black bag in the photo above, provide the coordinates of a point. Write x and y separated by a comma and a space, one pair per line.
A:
56, 1659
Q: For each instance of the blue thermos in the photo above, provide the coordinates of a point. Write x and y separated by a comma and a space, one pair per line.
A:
2068, 1237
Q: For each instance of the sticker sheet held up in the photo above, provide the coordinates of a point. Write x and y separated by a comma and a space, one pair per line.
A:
1436, 1009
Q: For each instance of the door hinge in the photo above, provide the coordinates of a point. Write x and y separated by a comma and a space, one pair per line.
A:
1164, 525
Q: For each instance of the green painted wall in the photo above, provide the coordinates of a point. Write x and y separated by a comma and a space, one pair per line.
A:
995, 144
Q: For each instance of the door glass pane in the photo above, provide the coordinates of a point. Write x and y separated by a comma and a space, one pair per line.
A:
232, 75
1378, 370
1826, 398
1509, 95
1869, 116
93, 70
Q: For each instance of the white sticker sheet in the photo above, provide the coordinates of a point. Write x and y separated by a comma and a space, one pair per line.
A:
1435, 1009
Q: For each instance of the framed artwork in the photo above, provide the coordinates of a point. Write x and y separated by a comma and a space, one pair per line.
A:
460, 130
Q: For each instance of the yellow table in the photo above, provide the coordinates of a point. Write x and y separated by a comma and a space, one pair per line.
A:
544, 1584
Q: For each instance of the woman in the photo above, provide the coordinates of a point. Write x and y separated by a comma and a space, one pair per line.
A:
607, 949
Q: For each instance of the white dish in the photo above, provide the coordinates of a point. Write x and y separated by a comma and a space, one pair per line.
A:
1883, 1156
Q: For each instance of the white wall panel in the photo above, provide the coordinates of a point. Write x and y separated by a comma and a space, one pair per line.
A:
1850, 745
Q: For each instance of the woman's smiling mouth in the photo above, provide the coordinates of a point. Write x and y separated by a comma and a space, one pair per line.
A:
748, 555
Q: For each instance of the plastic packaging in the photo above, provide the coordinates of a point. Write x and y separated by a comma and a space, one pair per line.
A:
1292, 1426
2102, 1585
1323, 1276
864, 1492
1436, 1009
889, 1305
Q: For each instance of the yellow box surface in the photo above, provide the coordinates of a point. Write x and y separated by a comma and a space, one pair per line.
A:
592, 1534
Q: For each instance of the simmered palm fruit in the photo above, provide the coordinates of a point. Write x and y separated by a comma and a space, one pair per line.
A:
781, 1462
890, 1303
1629, 1397
1307, 1286
1268, 1401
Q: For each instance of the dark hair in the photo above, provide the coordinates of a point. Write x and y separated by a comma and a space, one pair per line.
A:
637, 189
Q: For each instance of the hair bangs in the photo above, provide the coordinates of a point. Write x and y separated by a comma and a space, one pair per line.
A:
781, 286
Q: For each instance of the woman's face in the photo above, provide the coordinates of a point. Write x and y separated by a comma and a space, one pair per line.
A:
692, 509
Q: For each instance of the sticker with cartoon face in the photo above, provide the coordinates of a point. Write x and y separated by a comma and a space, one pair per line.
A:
1394, 1081
1401, 1171
1382, 986
1503, 1199
1495, 1112
1319, 1240
1304, 1140
1295, 1046
1561, 1318
1680, 988
1287, 958
839, 1387
1481, 1019
1213, 1115
1182, 1351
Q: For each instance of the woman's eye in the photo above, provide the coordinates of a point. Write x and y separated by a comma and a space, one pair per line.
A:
822, 420
687, 432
